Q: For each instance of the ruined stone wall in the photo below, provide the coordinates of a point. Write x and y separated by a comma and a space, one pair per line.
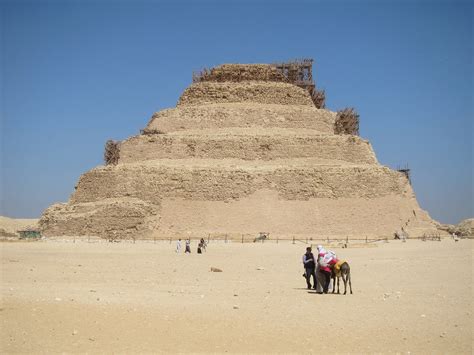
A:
215, 116
248, 147
109, 218
236, 179
249, 91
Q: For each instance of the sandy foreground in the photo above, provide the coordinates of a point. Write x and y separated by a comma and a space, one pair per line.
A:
59, 296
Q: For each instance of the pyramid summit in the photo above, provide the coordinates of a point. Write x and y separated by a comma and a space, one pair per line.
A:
248, 148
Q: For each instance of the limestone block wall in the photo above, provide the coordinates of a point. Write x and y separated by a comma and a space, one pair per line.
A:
197, 180
247, 91
315, 217
248, 147
225, 115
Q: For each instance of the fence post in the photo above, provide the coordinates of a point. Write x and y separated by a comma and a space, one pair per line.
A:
366, 239
293, 240
347, 239
242, 239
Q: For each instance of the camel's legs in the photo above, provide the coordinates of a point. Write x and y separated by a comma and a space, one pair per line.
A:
350, 283
344, 279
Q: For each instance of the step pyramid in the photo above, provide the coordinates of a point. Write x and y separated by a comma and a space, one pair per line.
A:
245, 150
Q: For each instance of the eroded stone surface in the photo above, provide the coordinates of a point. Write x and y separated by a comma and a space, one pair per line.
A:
246, 144
243, 115
248, 91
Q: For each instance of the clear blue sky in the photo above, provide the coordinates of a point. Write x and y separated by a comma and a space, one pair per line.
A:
76, 73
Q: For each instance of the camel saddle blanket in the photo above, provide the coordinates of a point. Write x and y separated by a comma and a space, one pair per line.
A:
337, 267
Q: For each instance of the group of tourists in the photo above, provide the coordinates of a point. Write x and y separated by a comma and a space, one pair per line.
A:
319, 268
201, 246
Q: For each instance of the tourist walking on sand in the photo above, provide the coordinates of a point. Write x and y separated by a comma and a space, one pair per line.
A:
178, 246
309, 264
326, 259
188, 246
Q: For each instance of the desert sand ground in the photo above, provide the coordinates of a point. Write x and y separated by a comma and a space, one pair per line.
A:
60, 296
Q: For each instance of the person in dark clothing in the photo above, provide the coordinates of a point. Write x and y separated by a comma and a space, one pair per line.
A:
309, 268
203, 244
327, 280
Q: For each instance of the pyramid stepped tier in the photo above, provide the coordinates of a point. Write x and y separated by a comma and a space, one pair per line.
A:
247, 144
248, 91
294, 197
221, 115
243, 72
227, 179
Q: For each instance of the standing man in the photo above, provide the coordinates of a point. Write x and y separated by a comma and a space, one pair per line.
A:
309, 268
178, 246
188, 246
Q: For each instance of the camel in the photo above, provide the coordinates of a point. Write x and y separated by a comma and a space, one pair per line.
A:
343, 271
